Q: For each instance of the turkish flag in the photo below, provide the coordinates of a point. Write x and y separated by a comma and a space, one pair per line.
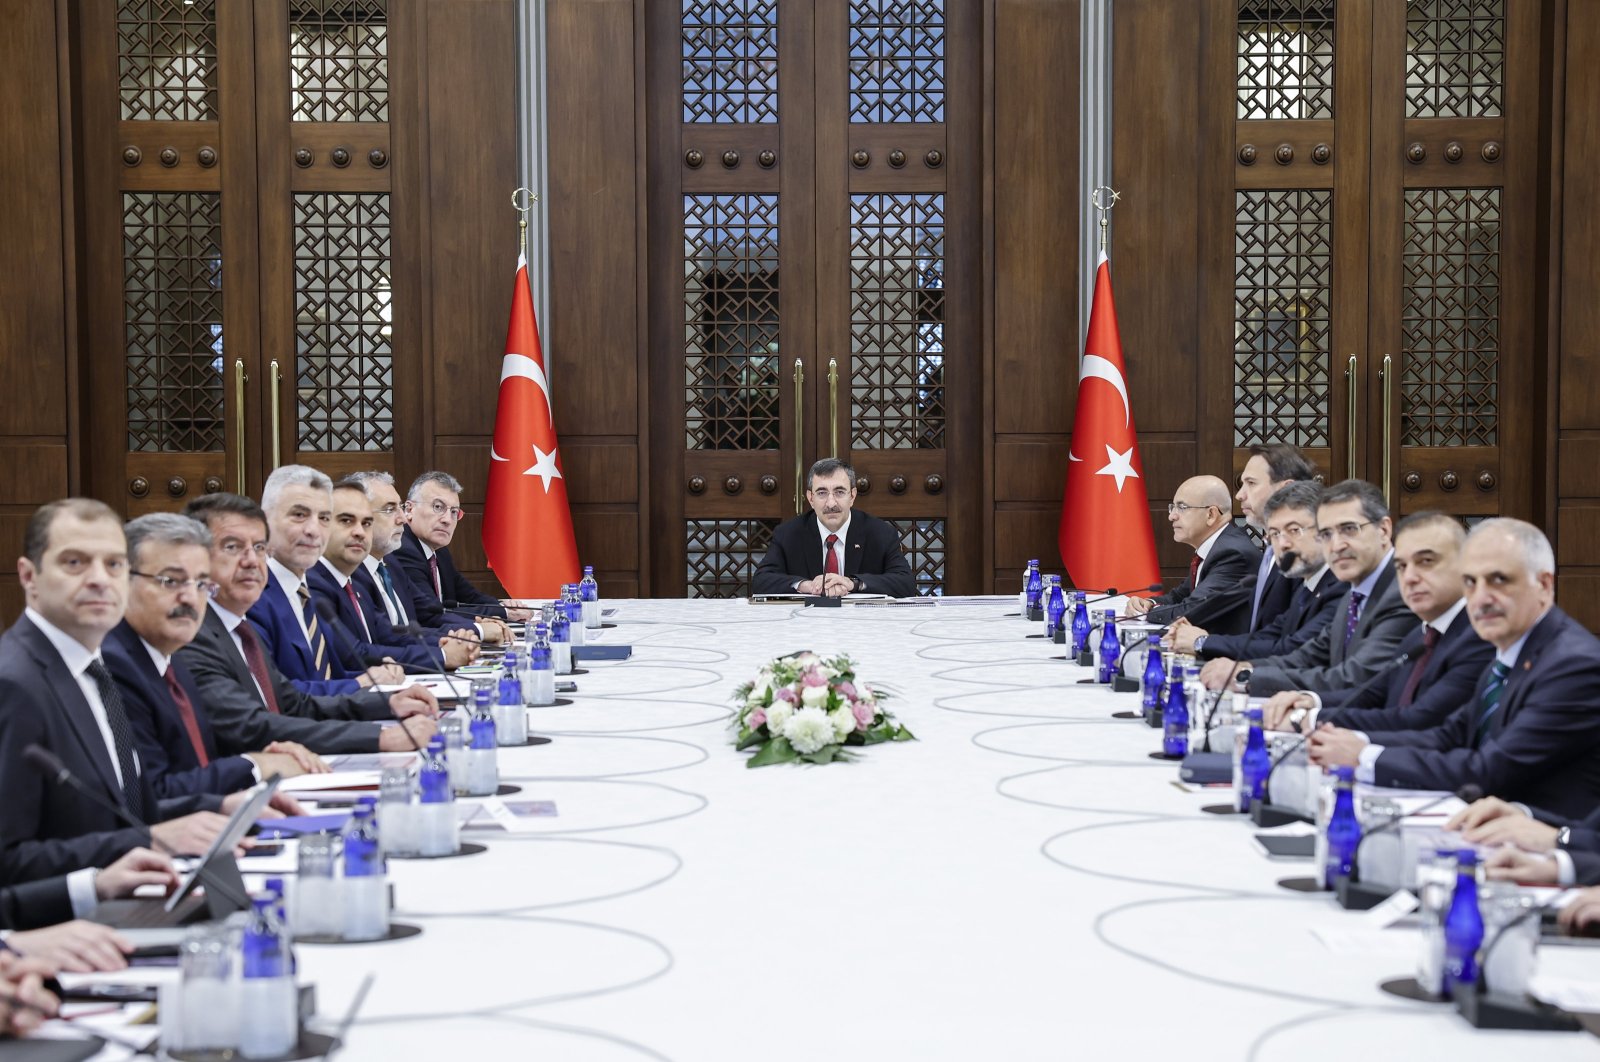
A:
527, 523
1106, 536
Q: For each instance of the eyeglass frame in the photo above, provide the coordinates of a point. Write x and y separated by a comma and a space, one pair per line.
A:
439, 508
1347, 529
1293, 532
1180, 508
205, 587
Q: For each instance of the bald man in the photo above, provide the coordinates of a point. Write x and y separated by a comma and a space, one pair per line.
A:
1222, 573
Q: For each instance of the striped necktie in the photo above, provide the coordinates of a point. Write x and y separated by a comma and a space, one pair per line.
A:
1492, 691
314, 638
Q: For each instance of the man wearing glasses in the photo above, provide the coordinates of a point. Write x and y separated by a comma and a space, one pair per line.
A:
833, 551
1370, 620
433, 512
1222, 573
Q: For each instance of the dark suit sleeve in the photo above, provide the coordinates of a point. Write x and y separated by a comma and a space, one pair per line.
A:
1435, 702
1309, 669
1225, 590
1585, 865
155, 730
270, 634
775, 574
35, 904
893, 572
457, 588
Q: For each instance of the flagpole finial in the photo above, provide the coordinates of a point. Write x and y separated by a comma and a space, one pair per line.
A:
530, 197
1104, 198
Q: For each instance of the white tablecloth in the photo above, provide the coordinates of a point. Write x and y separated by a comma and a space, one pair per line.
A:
1023, 882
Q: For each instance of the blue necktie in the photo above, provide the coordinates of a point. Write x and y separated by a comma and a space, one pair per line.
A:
1353, 616
388, 588
1492, 691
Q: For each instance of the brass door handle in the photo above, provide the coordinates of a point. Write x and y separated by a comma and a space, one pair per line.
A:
1350, 426
239, 379
799, 434
1387, 375
275, 384
833, 406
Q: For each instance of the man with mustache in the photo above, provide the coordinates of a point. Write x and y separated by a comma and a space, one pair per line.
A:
170, 563
832, 551
1529, 732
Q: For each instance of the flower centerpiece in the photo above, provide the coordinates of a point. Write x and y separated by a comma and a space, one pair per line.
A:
808, 708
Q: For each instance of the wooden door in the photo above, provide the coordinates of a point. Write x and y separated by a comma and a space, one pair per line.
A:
813, 181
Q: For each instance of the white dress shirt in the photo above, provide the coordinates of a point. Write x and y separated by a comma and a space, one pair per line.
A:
289, 583
394, 610
822, 543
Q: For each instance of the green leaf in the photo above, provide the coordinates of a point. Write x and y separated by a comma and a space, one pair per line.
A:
778, 750
902, 734
748, 738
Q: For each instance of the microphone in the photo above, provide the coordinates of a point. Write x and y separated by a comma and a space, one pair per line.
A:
50, 766
496, 611
1267, 815
1111, 591
1355, 896
1216, 701
1211, 605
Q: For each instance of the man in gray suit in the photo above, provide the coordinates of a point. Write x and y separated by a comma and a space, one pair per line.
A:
1371, 618
247, 699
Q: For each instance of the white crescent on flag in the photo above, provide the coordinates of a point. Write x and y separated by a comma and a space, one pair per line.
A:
1094, 366
526, 367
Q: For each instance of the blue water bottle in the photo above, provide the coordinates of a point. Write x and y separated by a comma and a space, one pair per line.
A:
1175, 719
483, 769
1027, 579
1110, 649
364, 888
1463, 928
1155, 677
573, 606
589, 594
539, 683
1055, 608
1080, 624
561, 640
1255, 765
1035, 592
436, 810
269, 1024
1344, 829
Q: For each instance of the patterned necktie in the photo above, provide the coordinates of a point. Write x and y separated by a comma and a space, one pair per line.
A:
1194, 571
256, 660
1352, 616
180, 697
314, 638
121, 737
1492, 690
394, 599
433, 566
1430, 641
355, 603
830, 560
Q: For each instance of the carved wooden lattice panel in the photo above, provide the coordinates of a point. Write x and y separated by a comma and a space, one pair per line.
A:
731, 322
723, 554
1455, 58
922, 541
897, 321
172, 304
1449, 383
897, 61
344, 365
339, 60
1285, 59
730, 61
1283, 281
167, 60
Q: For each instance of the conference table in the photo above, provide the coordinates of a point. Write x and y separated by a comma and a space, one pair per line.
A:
1021, 882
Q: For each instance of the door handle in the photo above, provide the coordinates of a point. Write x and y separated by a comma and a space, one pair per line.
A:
1350, 420
1388, 427
833, 405
799, 432
275, 384
239, 379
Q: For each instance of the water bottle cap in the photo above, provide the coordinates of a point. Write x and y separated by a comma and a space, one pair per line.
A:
1253, 715
1033, 563
1083, 595
1153, 638
1466, 857
436, 743
1345, 774
275, 885
588, 569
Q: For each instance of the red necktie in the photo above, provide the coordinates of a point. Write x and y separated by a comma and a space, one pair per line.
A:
830, 563
256, 661
355, 603
1194, 571
180, 697
1430, 639
433, 564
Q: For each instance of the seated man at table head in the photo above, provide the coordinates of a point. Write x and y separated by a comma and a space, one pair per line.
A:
387, 583
432, 514
1218, 591
249, 702
834, 549
170, 565
1437, 665
1529, 732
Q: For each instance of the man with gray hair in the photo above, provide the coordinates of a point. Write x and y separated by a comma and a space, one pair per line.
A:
169, 559
1220, 588
832, 551
1530, 732
433, 512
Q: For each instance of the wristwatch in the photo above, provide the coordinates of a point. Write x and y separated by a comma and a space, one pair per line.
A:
1563, 836
1200, 643
859, 584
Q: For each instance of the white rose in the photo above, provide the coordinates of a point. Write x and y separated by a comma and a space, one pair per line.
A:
809, 730
827, 672
777, 716
844, 722
814, 696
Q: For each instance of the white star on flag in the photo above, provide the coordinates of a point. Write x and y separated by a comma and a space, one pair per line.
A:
1119, 465
544, 466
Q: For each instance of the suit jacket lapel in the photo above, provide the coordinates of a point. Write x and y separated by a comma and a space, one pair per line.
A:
853, 545
74, 707
811, 545
1520, 679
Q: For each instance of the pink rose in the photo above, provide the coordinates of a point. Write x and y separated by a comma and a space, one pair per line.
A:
757, 718
787, 694
813, 677
864, 711
847, 690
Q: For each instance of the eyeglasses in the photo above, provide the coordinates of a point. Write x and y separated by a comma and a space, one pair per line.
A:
1293, 531
1183, 507
387, 510
439, 508
232, 548
1348, 529
837, 493
174, 586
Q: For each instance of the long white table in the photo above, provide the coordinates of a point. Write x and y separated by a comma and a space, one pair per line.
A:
1023, 882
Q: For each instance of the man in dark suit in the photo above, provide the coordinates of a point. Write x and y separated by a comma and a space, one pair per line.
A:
1291, 519
1438, 663
1217, 594
58, 694
52, 902
249, 701
433, 512
1270, 468
1370, 620
1532, 845
1529, 731
171, 562
833, 550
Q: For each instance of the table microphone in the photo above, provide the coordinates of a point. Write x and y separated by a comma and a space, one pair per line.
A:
1264, 814
1216, 700
1485, 1008
1110, 592
1210, 604
1350, 892
49, 764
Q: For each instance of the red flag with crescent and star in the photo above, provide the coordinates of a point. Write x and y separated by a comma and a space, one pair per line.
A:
1106, 536
527, 523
